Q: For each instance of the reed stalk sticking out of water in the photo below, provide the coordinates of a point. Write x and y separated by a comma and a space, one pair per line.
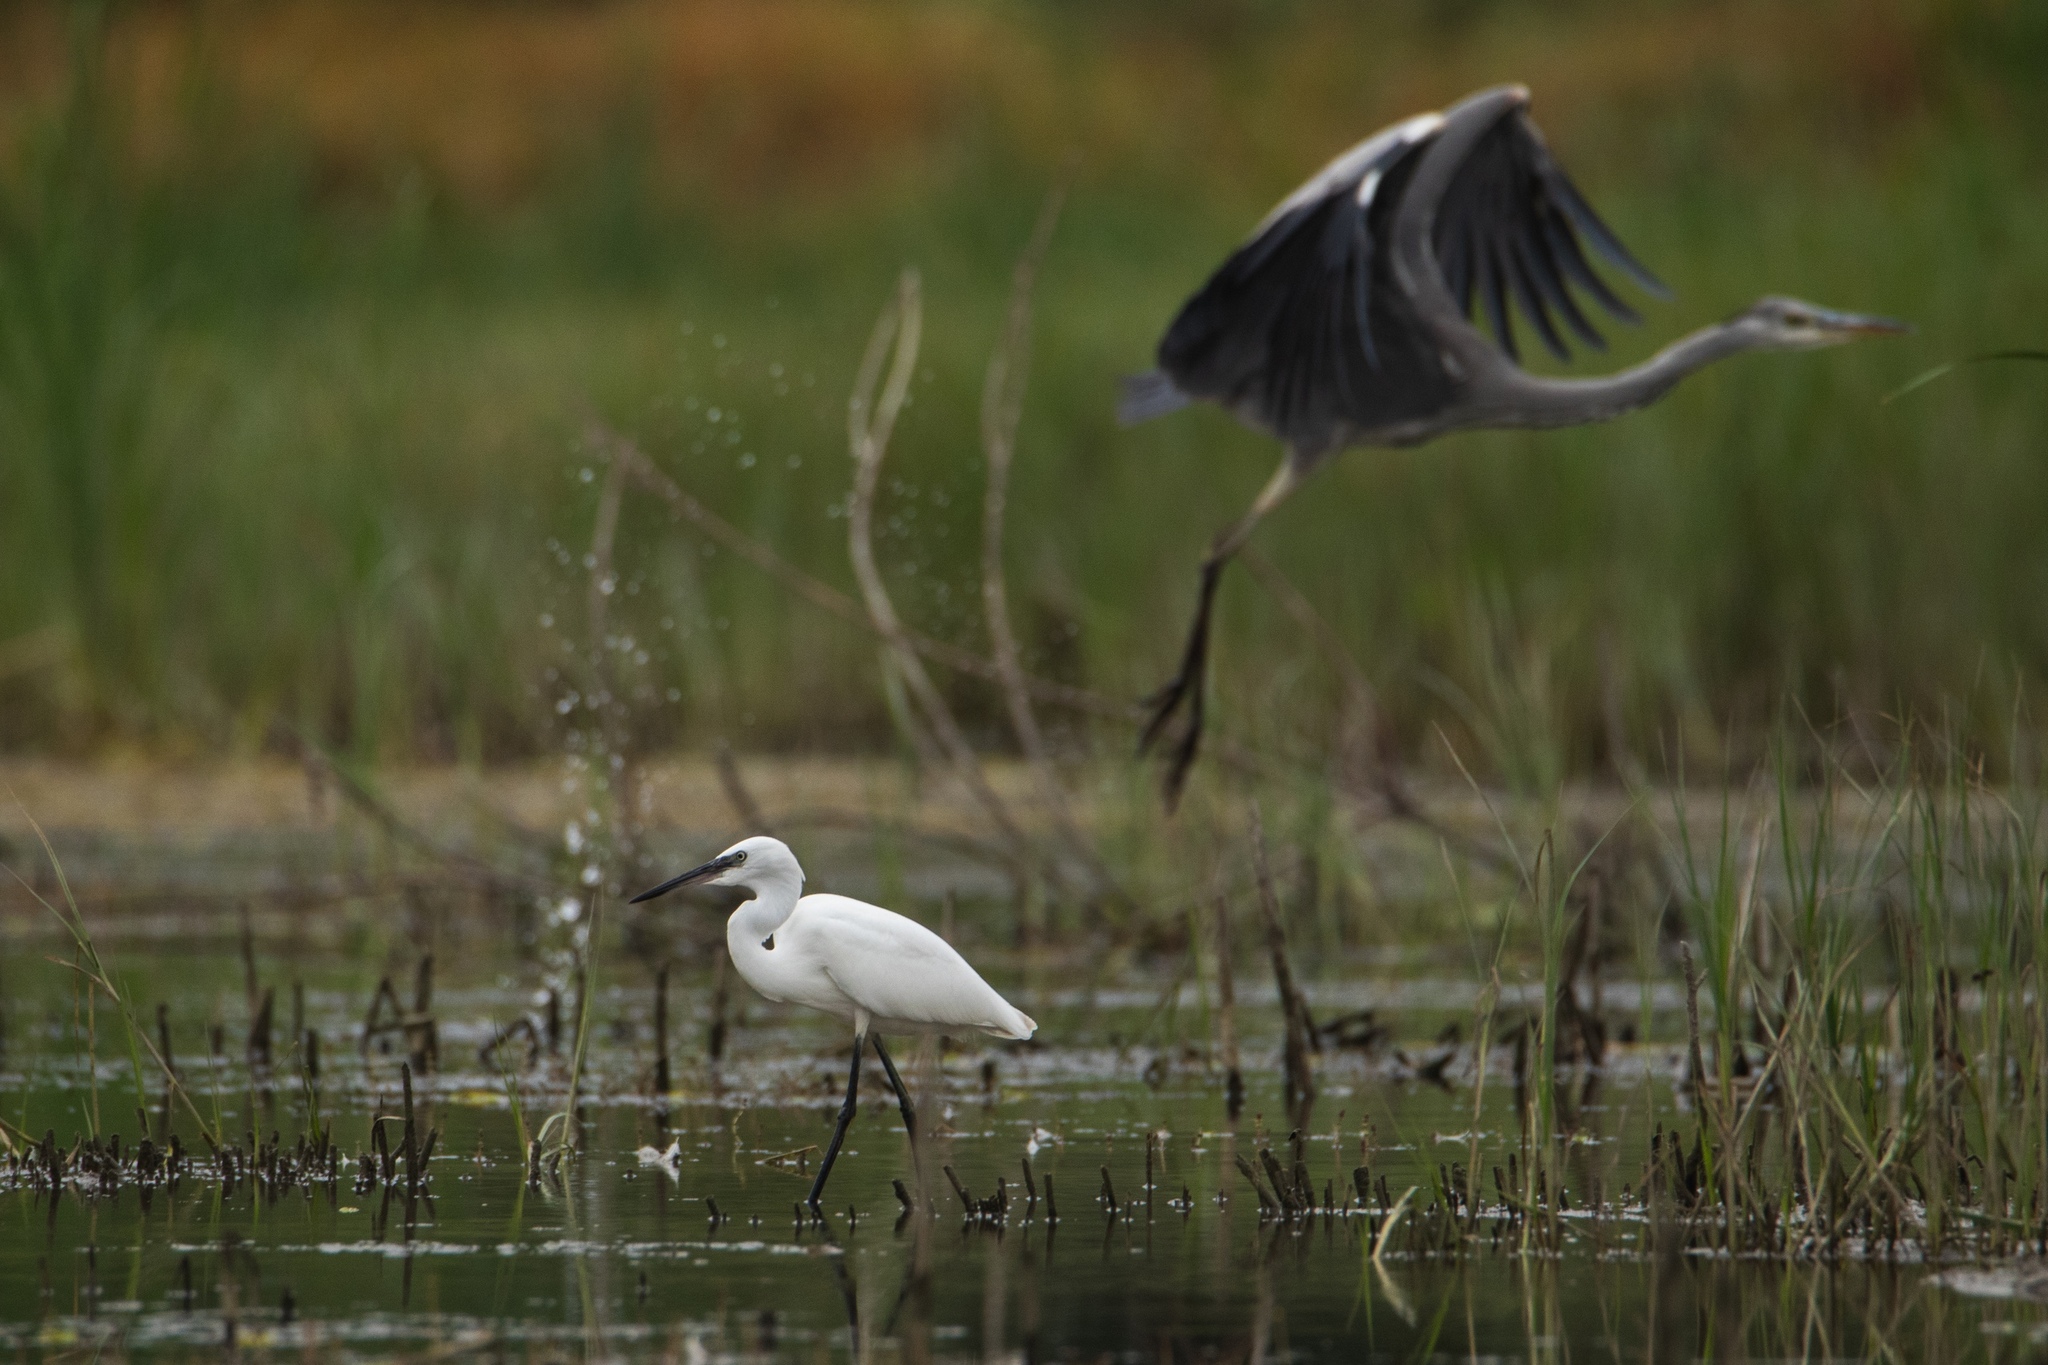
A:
569, 1140
94, 971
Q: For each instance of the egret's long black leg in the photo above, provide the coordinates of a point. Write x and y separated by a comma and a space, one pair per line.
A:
902, 1094
846, 1112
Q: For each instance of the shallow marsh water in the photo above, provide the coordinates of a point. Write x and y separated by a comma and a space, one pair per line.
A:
617, 1255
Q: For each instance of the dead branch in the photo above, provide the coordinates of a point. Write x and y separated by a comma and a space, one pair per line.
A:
1301, 1085
1002, 407
870, 421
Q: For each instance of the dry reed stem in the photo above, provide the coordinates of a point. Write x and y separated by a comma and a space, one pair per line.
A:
1002, 407
871, 418
1226, 1013
1301, 1085
97, 975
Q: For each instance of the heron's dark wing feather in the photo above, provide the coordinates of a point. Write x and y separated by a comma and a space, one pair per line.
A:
1512, 223
1301, 331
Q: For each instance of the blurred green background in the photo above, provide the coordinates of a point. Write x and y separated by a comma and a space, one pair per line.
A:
305, 308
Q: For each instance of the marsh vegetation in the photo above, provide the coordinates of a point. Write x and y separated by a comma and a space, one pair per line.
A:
1610, 917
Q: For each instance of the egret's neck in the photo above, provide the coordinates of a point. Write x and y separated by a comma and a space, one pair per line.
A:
775, 896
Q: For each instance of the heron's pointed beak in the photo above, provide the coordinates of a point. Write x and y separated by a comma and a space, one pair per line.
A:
1863, 324
694, 875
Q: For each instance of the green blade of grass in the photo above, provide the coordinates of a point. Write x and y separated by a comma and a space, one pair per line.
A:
1926, 377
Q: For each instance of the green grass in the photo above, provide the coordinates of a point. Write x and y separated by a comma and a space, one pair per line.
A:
280, 452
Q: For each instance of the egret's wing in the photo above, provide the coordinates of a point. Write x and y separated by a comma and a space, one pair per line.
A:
895, 968
1299, 331
1511, 231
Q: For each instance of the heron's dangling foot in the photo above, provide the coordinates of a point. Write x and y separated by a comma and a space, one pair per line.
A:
1185, 688
846, 1113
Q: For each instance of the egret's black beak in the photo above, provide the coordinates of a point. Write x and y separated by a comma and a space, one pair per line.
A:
695, 874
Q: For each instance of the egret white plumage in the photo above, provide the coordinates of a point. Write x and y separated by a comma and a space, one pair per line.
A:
1344, 320
872, 967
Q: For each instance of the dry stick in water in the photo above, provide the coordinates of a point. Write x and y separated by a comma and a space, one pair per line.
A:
248, 960
423, 1035
661, 1076
1301, 1085
259, 1029
966, 1201
1002, 406
714, 1043
1226, 1013
412, 1157
1692, 1029
869, 420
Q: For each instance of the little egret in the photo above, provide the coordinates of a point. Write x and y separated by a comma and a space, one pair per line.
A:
1343, 321
875, 969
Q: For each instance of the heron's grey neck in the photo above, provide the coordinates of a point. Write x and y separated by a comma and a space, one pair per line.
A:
775, 897
1514, 397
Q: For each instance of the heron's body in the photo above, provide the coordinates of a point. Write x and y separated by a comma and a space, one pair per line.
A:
876, 969
1345, 319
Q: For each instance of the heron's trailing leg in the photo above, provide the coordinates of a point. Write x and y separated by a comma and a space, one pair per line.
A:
846, 1112
1185, 687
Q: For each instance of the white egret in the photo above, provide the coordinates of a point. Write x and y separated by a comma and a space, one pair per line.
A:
875, 969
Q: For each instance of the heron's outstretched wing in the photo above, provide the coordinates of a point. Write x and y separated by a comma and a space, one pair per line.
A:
1298, 332
896, 969
1510, 235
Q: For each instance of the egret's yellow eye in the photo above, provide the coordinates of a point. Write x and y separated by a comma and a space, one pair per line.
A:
739, 858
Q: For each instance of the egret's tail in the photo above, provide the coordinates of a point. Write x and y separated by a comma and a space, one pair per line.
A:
1148, 395
1017, 1028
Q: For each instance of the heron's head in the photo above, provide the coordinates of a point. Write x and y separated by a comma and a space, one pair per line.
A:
750, 862
1782, 324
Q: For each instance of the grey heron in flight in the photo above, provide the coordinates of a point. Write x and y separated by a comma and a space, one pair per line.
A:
1345, 319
